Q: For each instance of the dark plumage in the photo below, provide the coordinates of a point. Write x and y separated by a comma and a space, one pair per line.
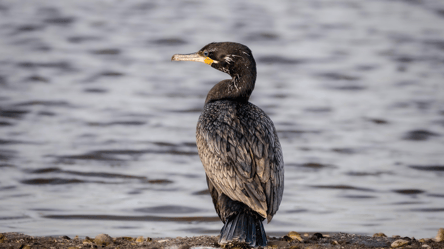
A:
238, 147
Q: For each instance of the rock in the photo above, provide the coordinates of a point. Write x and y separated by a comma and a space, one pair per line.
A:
88, 241
277, 244
316, 236
440, 236
426, 246
425, 240
293, 236
2, 238
103, 240
140, 239
380, 235
399, 243
295, 247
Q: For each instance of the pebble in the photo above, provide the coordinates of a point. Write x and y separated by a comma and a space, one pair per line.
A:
88, 240
440, 236
425, 240
293, 236
277, 244
399, 243
382, 235
295, 247
316, 236
334, 242
426, 246
140, 239
103, 240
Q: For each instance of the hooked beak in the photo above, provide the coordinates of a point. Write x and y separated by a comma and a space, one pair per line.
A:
192, 57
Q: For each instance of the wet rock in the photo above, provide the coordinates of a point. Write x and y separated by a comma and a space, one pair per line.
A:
126, 238
291, 236
425, 240
88, 241
399, 243
316, 236
295, 247
103, 240
381, 235
277, 244
440, 236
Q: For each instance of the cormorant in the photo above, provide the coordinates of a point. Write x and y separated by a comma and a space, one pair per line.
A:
238, 146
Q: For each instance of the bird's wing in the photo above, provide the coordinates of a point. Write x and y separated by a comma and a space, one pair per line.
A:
242, 156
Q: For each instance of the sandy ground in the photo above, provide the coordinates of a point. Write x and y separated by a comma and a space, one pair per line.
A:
291, 240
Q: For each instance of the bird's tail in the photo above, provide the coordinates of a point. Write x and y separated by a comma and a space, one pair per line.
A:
244, 228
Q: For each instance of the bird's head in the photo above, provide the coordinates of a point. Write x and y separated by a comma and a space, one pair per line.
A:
228, 57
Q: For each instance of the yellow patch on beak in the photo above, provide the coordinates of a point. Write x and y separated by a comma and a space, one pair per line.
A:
193, 57
208, 61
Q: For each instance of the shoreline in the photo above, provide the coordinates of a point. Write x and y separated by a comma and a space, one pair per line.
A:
292, 240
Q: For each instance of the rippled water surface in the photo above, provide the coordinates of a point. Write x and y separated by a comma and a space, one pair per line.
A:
97, 125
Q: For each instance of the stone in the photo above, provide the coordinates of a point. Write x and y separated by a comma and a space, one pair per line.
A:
316, 236
88, 241
293, 236
103, 240
380, 235
127, 238
277, 244
426, 246
140, 239
399, 243
440, 236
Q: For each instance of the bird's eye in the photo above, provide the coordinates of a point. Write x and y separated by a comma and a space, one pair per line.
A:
206, 53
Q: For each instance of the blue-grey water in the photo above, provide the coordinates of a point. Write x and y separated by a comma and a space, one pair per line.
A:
97, 125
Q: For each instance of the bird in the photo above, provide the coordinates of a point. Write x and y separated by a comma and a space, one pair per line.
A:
238, 146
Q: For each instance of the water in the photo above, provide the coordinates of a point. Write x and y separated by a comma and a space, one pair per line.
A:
97, 124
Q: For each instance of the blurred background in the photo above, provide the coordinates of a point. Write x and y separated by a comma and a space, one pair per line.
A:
97, 125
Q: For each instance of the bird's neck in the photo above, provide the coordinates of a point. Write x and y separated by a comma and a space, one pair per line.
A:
238, 88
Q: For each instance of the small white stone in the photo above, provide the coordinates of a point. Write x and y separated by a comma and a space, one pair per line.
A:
399, 243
